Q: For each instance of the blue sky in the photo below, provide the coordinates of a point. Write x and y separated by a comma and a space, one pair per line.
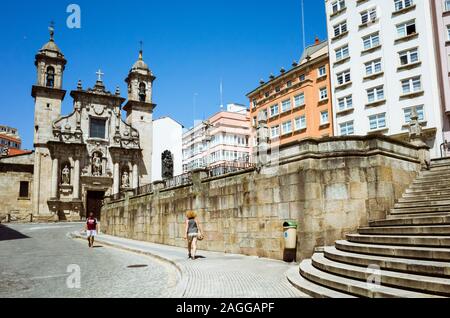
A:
189, 45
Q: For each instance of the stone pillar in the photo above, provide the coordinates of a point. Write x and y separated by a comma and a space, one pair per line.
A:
116, 178
135, 176
263, 141
76, 179
55, 177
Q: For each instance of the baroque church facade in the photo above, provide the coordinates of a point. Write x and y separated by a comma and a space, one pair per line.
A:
91, 153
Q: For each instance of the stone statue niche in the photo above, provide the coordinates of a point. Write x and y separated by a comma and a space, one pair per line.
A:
97, 165
167, 165
125, 179
65, 174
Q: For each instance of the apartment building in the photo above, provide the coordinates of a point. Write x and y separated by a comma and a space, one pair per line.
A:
297, 103
10, 140
383, 64
222, 138
441, 15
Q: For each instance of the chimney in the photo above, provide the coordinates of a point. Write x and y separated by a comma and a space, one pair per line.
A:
317, 40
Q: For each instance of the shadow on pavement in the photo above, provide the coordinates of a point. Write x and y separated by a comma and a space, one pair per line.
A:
8, 234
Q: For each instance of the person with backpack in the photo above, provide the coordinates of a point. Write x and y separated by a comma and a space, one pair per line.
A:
193, 233
91, 229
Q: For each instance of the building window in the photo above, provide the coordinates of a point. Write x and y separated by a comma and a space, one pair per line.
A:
342, 53
402, 4
324, 118
254, 122
340, 28
289, 84
375, 94
409, 56
448, 32
300, 122
371, 41
97, 128
274, 110
50, 82
266, 115
411, 85
266, 94
254, 103
322, 71
323, 94
275, 132
345, 103
337, 6
344, 77
408, 112
24, 189
447, 5
287, 127
277, 89
347, 128
368, 16
299, 100
406, 29
377, 121
286, 105
373, 67
302, 77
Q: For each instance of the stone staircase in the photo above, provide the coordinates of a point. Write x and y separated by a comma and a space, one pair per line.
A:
408, 253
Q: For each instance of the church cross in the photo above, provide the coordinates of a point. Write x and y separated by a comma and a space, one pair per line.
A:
99, 75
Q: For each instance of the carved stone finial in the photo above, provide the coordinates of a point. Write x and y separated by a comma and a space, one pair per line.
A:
79, 85
117, 91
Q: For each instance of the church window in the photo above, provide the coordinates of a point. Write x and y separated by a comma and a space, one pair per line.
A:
97, 128
24, 189
50, 77
142, 94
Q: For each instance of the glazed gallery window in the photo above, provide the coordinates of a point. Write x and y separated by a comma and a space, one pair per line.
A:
402, 4
300, 122
342, 53
368, 16
299, 100
274, 110
340, 28
373, 67
285, 105
377, 121
338, 6
409, 56
344, 77
275, 131
345, 103
347, 128
375, 94
408, 112
97, 128
287, 127
371, 41
406, 29
411, 85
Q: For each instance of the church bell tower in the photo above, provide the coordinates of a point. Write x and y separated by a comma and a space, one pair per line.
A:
139, 110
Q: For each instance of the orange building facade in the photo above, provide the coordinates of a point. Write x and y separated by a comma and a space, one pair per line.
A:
297, 103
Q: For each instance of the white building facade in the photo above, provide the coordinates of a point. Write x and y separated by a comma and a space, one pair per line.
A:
167, 149
383, 64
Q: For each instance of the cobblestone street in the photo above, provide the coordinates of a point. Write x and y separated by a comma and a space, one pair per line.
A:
34, 262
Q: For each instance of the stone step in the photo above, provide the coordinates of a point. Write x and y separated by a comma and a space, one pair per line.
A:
352, 286
423, 198
426, 203
407, 230
426, 241
429, 187
445, 160
422, 253
416, 215
431, 209
436, 167
419, 283
438, 180
425, 220
311, 289
416, 193
433, 177
438, 269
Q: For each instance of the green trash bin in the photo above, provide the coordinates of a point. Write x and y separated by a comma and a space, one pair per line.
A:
290, 240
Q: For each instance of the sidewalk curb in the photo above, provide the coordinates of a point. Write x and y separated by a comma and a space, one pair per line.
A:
182, 280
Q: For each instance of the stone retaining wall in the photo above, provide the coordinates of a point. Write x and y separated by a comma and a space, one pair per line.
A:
330, 187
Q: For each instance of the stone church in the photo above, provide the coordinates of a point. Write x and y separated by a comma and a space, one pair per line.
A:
91, 153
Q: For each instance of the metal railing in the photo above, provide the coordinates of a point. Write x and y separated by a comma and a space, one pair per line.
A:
229, 167
178, 181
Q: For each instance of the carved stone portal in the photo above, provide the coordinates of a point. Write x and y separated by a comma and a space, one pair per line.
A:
167, 165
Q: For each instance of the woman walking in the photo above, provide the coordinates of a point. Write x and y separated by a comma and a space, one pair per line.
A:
193, 231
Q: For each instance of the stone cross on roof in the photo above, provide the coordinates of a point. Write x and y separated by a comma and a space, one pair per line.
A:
99, 75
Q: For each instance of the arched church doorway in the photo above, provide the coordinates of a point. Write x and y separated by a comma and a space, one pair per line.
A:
94, 202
